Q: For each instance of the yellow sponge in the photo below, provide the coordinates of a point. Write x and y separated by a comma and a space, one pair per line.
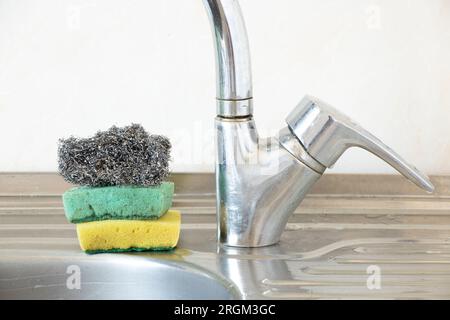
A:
130, 235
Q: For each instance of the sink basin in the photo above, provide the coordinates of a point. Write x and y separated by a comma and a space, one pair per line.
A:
59, 275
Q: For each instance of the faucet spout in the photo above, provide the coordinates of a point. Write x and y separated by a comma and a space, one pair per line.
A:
233, 67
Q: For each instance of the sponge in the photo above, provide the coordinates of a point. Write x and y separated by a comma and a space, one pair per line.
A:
84, 204
130, 235
118, 156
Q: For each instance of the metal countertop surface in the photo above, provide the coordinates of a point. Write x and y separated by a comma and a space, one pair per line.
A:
348, 230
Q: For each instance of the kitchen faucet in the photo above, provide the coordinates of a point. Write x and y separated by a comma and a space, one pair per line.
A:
260, 182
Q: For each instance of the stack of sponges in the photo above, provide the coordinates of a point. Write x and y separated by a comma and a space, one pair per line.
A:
123, 201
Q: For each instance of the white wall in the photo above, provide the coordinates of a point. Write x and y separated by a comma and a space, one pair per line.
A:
73, 67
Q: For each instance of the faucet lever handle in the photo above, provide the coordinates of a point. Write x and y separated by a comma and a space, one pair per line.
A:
326, 133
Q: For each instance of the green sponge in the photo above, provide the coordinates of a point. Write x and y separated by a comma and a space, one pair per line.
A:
84, 204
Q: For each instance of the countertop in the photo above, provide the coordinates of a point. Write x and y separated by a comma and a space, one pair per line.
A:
353, 237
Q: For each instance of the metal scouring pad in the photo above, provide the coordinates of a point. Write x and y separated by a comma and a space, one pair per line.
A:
117, 156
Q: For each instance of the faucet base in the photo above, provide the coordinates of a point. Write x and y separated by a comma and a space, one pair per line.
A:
259, 185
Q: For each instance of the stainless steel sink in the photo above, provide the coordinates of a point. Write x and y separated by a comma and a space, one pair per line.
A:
349, 227
35, 274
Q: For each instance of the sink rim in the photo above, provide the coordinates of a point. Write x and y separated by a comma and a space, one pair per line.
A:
72, 257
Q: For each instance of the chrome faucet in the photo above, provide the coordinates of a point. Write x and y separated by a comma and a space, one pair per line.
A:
260, 182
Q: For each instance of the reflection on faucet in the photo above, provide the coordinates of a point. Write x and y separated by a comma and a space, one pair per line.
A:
249, 268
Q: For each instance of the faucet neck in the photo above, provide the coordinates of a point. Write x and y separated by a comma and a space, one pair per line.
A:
233, 67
